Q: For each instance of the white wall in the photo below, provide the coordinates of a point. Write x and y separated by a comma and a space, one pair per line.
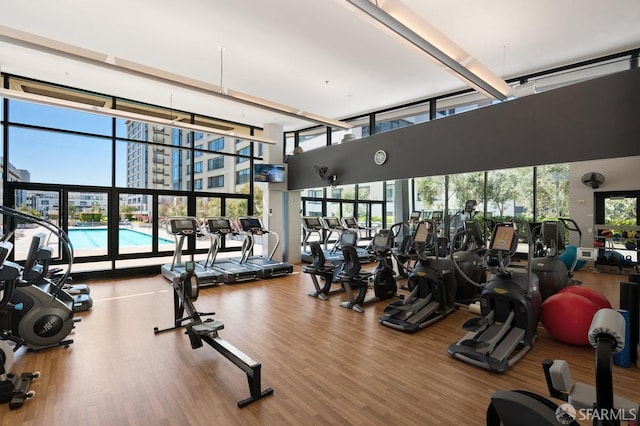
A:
621, 174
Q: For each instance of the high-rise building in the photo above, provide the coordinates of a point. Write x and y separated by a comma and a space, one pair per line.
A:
148, 166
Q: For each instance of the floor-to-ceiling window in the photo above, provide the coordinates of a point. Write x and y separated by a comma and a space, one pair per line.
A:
112, 183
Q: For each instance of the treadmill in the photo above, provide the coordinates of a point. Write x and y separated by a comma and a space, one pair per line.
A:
230, 272
181, 228
311, 225
334, 224
345, 238
267, 267
352, 224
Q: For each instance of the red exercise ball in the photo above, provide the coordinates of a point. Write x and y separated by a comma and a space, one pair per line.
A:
567, 317
597, 298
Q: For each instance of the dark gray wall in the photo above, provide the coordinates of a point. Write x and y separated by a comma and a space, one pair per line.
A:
595, 119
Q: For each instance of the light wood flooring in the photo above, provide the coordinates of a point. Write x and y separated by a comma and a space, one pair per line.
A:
326, 364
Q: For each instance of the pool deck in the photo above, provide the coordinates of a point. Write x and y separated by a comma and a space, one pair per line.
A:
24, 235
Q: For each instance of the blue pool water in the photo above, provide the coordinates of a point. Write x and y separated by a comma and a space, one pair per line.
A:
97, 238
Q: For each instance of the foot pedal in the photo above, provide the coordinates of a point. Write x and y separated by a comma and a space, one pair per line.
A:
393, 307
474, 343
475, 324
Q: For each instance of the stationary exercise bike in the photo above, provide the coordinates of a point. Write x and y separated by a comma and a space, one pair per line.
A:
186, 288
326, 271
41, 313
353, 278
14, 389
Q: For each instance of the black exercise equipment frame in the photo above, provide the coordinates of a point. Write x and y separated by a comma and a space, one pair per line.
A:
207, 330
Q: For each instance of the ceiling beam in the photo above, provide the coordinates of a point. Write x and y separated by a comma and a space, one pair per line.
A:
125, 115
47, 45
405, 23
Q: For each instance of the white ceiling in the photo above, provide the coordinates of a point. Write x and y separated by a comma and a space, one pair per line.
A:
315, 55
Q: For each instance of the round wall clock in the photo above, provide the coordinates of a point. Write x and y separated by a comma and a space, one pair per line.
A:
380, 157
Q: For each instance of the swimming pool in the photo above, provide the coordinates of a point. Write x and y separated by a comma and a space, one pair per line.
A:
97, 238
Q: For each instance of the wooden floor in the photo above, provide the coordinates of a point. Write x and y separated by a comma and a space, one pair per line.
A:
326, 364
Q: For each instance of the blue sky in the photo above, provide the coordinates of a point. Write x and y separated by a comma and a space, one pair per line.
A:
64, 158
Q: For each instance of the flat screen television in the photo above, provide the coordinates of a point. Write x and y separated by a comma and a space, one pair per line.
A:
271, 173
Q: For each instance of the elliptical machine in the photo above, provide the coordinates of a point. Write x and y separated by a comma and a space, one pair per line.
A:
510, 305
466, 249
550, 269
458, 221
383, 276
432, 285
36, 271
41, 313
14, 389
402, 248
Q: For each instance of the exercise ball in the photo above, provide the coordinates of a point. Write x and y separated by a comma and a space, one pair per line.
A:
569, 256
567, 317
594, 296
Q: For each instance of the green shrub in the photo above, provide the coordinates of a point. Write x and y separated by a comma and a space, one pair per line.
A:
90, 217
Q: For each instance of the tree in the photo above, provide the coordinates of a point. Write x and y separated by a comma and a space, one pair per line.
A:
552, 197
620, 211
73, 210
502, 189
126, 211
240, 206
208, 207
429, 190
172, 206
466, 186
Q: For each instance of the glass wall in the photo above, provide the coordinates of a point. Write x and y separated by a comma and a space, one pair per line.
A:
89, 213
429, 195
60, 158
510, 193
149, 172
401, 117
117, 181
552, 191
313, 138
43, 205
359, 130
461, 103
390, 207
135, 230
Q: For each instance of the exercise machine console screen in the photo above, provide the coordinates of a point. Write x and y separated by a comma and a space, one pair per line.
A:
422, 233
182, 226
504, 238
